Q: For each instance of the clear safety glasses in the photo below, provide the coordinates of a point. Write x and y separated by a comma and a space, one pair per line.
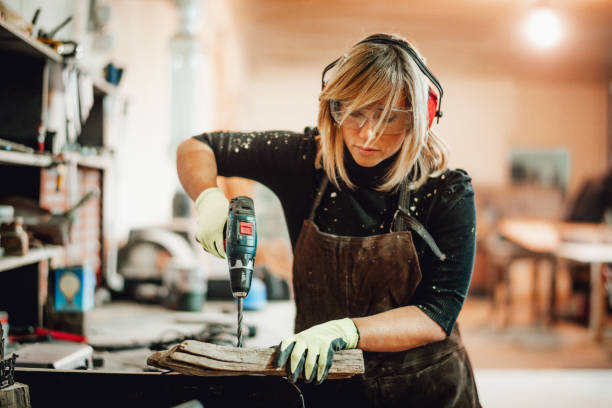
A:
397, 121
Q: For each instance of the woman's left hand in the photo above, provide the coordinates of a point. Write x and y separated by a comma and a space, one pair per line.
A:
312, 350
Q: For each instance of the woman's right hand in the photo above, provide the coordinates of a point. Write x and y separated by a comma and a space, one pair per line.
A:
212, 208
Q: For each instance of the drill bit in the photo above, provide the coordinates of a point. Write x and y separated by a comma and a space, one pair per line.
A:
239, 321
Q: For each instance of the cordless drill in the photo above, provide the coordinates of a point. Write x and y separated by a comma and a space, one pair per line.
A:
240, 246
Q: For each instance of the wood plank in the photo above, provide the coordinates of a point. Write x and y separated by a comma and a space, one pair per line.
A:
15, 396
211, 363
198, 358
163, 361
223, 353
257, 358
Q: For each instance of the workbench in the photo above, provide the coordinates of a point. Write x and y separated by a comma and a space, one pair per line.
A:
124, 381
92, 389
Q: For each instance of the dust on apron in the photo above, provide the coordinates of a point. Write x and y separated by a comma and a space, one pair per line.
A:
341, 276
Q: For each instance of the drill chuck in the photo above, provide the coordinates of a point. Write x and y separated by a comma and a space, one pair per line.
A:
240, 278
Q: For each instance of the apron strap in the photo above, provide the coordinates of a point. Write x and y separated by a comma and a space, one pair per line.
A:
406, 221
404, 201
318, 197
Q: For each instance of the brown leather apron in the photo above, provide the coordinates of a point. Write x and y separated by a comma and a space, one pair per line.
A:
340, 276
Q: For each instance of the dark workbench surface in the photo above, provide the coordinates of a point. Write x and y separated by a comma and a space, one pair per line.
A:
124, 379
92, 389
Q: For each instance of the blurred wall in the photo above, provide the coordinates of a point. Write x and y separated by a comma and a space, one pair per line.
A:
484, 116
500, 91
573, 114
146, 174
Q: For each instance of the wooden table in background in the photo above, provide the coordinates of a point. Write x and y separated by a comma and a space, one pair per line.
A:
580, 242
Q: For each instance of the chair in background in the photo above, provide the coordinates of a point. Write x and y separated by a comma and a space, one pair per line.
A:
497, 255
592, 204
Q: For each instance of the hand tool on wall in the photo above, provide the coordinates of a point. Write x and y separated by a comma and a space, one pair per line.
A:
35, 20
240, 246
67, 48
44, 36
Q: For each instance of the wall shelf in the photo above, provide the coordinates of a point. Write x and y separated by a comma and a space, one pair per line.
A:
34, 255
14, 40
95, 162
30, 71
25, 159
104, 87
101, 162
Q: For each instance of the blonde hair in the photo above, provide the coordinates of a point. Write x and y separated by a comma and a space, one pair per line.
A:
368, 73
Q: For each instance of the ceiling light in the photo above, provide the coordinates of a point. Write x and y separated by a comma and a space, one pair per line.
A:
544, 27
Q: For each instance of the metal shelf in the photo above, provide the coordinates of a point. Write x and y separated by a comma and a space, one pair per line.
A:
16, 41
34, 255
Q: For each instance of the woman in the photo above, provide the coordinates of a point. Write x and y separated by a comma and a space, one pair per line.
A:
383, 233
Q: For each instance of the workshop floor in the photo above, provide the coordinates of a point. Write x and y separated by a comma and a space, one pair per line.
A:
524, 345
531, 365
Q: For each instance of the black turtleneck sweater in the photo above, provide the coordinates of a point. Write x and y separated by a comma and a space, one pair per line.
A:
284, 162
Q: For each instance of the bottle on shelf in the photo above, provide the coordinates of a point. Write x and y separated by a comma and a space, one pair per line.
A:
13, 238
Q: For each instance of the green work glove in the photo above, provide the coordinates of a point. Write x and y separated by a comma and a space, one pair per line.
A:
312, 350
212, 207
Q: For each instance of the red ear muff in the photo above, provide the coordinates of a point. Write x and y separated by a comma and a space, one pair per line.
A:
434, 101
432, 107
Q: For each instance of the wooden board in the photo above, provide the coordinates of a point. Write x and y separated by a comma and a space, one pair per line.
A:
15, 396
206, 359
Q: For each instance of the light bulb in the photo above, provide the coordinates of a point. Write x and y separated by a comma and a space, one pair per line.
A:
544, 27
69, 285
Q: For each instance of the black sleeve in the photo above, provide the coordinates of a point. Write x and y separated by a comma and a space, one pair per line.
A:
444, 284
273, 158
283, 161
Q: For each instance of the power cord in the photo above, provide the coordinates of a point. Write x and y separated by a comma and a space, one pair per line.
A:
301, 396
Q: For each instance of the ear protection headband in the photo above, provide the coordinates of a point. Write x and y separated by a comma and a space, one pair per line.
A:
433, 104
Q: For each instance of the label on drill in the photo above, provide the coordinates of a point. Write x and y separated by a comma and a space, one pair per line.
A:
246, 228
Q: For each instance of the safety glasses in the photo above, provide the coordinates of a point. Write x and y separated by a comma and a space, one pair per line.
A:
397, 121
